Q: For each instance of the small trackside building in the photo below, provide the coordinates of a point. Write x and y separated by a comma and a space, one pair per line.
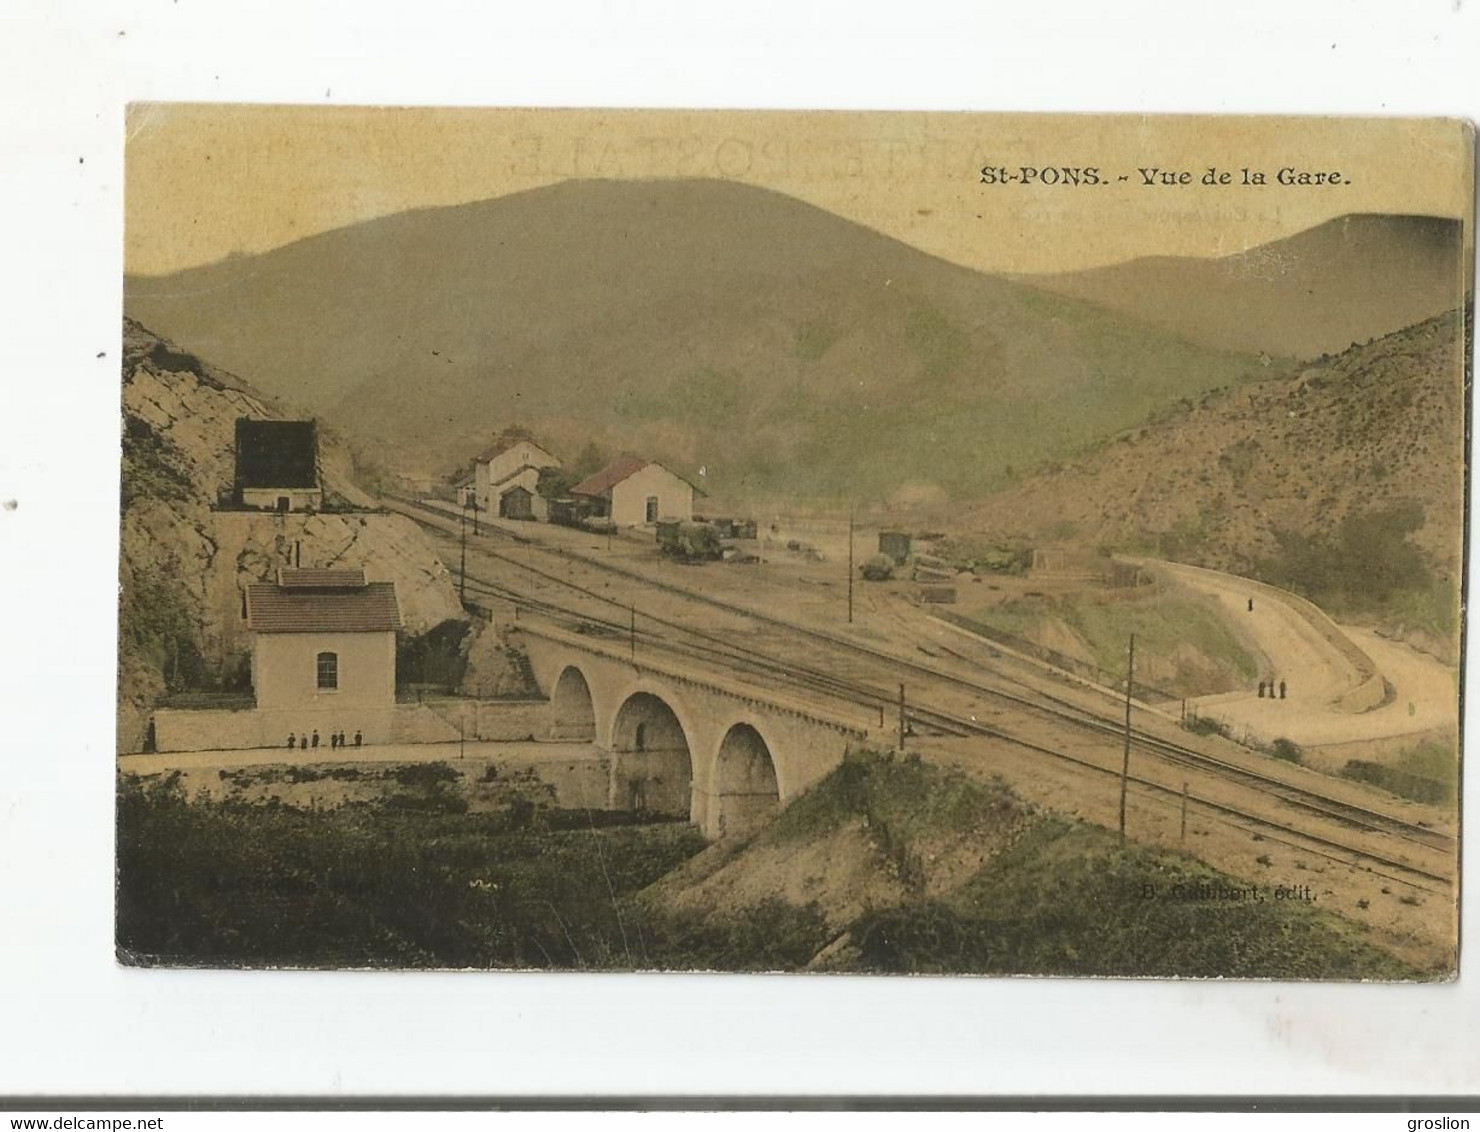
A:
324, 649
464, 488
277, 465
634, 492
506, 476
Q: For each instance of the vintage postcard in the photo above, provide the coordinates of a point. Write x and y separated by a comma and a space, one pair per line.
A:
826, 542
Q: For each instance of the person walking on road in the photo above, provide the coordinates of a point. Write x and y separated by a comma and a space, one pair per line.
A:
1282, 689
1251, 605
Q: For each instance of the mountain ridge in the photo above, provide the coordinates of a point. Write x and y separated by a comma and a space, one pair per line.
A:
789, 351
1350, 279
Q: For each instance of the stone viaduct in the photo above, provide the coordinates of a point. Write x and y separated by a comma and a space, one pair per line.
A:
682, 741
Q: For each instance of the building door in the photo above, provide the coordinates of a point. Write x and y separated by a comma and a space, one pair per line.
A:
652, 509
284, 504
516, 503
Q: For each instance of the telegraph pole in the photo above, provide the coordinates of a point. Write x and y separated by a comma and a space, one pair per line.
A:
1125, 764
901, 717
850, 565
634, 634
462, 570
1184, 811
473, 502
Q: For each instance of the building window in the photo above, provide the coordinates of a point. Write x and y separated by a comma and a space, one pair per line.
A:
328, 671
652, 508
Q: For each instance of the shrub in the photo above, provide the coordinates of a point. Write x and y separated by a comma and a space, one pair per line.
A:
1286, 750
424, 774
432, 802
773, 935
1203, 725
924, 936
1404, 783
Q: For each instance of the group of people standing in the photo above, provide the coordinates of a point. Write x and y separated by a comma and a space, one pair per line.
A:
336, 739
1268, 685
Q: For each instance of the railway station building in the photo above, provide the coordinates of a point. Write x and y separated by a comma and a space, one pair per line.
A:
634, 492
506, 476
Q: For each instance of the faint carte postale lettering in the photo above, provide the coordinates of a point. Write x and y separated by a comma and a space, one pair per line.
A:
539, 156
909, 543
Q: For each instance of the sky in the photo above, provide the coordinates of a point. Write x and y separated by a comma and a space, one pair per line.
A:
206, 181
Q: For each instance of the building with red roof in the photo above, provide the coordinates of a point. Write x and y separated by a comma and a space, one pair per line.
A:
632, 492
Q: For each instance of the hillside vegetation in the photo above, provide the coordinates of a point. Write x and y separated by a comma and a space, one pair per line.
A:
1343, 482
957, 875
885, 866
789, 352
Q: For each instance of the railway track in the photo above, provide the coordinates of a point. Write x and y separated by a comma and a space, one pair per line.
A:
854, 687
955, 724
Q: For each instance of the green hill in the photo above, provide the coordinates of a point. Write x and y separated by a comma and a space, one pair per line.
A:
785, 350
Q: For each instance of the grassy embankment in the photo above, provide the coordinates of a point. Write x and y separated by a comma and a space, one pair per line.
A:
1428, 772
1162, 625
420, 884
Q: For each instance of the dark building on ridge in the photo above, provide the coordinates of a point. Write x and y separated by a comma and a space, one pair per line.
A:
277, 465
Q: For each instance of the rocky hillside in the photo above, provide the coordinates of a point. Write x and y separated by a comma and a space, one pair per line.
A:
183, 564
1345, 281
1349, 471
791, 353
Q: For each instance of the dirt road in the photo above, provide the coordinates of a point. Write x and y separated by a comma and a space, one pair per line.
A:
1317, 673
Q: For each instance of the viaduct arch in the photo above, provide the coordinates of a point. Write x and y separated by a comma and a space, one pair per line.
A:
746, 793
572, 711
684, 743
653, 771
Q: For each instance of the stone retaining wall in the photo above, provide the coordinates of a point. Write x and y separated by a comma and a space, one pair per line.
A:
430, 721
220, 729
500, 721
